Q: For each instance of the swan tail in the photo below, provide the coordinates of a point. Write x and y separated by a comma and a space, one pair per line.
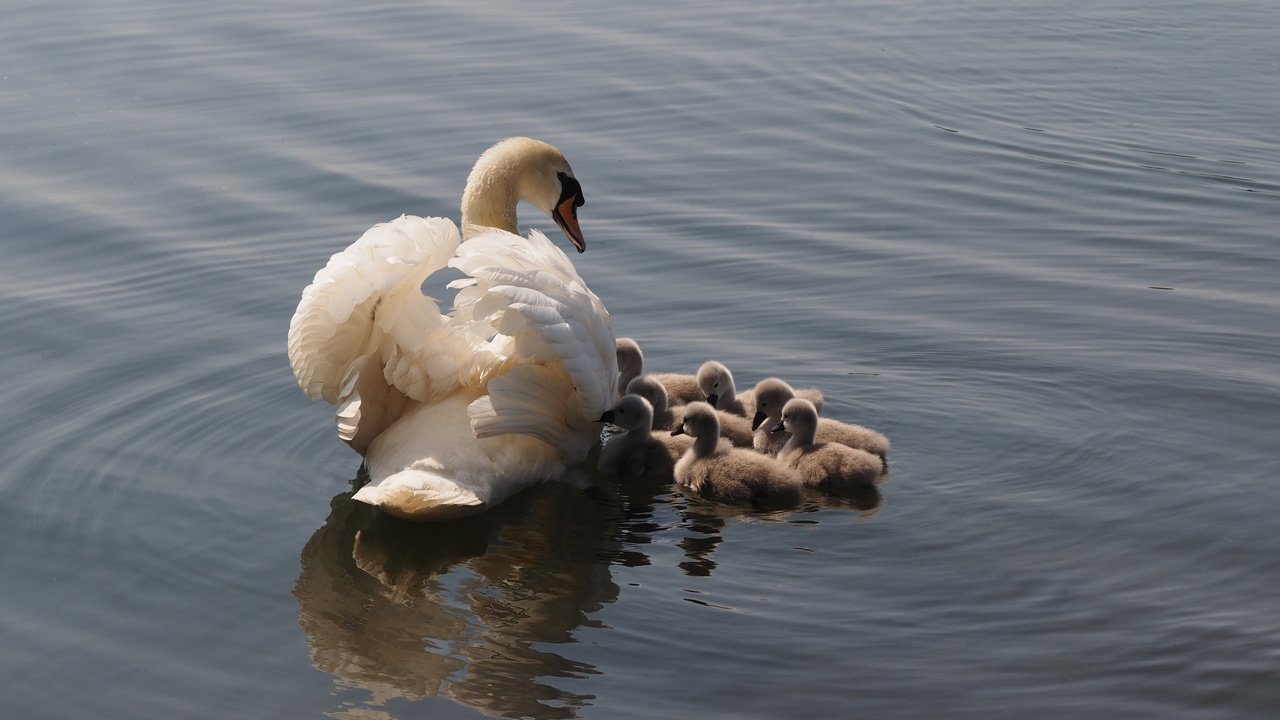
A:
421, 494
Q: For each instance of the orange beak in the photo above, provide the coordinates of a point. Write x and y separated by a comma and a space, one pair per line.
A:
566, 216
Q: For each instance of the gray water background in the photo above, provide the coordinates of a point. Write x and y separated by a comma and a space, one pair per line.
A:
1033, 242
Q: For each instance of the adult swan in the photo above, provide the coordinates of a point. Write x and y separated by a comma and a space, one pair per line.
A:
455, 412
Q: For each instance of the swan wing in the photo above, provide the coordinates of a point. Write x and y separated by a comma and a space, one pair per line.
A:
558, 354
365, 338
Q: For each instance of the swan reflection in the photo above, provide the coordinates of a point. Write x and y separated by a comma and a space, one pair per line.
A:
463, 609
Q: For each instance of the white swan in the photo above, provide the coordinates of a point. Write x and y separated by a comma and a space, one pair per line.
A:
456, 412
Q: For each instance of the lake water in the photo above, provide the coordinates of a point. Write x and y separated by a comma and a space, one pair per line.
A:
1033, 242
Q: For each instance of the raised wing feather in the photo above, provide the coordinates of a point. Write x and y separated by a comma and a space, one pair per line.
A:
365, 338
545, 316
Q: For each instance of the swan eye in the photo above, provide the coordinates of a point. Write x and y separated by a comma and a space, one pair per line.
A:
570, 188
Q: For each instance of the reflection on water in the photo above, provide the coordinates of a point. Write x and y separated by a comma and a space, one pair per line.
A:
408, 610
465, 609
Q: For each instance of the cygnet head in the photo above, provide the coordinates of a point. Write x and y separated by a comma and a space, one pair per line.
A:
630, 359
630, 413
771, 395
700, 420
715, 381
521, 168
800, 418
651, 390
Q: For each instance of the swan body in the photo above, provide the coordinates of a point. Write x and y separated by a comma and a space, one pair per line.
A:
829, 466
635, 452
456, 411
714, 468
772, 395
681, 389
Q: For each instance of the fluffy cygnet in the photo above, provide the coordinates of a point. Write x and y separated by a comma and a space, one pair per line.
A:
681, 389
663, 417
772, 395
716, 383
713, 468
827, 465
650, 389
636, 452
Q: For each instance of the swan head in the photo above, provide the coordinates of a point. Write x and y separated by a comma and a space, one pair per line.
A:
630, 413
699, 420
771, 395
518, 169
800, 418
716, 382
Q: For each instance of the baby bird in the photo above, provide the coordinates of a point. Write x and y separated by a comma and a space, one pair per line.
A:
650, 389
681, 389
636, 452
713, 468
732, 428
663, 417
830, 466
772, 394
715, 380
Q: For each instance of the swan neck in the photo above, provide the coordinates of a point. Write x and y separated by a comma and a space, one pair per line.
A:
787, 447
705, 445
800, 437
489, 201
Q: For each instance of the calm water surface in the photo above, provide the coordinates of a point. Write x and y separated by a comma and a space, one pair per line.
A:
1033, 242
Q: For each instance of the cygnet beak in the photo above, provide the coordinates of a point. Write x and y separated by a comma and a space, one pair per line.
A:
606, 417
677, 430
759, 418
777, 428
712, 398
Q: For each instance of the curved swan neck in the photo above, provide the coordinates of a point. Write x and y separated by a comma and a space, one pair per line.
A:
489, 200
515, 169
